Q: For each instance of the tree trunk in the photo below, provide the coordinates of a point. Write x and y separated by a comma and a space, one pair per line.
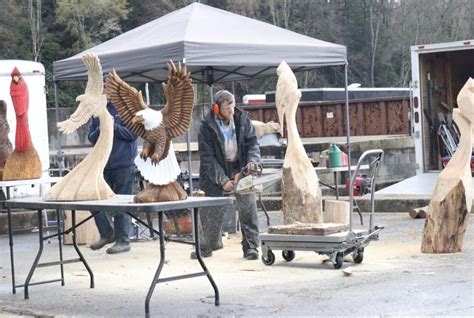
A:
300, 204
451, 202
446, 223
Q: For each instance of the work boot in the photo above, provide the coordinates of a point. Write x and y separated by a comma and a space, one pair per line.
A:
97, 245
204, 253
251, 254
118, 248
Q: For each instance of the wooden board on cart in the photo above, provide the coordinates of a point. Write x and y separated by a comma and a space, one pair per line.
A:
308, 228
86, 233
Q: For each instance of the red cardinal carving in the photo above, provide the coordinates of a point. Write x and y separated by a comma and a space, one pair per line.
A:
19, 94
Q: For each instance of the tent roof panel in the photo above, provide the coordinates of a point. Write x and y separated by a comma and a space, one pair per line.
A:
204, 38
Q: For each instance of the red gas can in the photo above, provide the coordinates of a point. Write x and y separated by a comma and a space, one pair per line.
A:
359, 186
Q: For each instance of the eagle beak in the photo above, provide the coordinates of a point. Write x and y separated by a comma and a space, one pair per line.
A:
138, 119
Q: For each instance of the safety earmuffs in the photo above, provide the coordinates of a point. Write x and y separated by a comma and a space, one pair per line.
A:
215, 109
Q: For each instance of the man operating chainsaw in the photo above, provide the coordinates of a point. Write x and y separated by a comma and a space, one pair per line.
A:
227, 147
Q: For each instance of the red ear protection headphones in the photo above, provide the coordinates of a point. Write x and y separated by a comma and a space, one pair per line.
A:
215, 109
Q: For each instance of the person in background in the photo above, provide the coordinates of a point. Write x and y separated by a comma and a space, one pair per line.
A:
119, 174
227, 144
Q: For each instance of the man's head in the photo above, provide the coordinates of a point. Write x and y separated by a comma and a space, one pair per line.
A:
226, 103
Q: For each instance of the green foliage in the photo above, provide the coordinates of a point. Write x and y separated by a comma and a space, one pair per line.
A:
14, 30
89, 22
378, 34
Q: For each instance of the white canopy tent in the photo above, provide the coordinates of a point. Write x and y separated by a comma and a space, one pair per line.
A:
215, 45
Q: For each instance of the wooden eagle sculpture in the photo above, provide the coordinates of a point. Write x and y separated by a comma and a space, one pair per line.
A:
157, 161
86, 181
301, 194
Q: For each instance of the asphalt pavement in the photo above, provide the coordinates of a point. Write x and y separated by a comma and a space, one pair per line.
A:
395, 279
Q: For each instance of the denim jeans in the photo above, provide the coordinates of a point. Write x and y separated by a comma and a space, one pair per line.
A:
211, 219
121, 182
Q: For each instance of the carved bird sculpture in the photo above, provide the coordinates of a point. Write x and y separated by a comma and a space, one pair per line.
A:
156, 162
24, 162
86, 181
301, 194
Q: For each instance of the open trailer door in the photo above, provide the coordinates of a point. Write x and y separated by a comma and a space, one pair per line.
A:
439, 71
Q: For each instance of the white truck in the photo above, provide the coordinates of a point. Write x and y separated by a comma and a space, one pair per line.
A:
34, 75
439, 71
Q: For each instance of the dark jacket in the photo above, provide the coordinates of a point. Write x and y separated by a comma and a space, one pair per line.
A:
213, 171
124, 148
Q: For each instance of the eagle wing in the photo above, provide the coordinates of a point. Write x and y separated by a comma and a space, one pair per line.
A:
127, 100
81, 116
95, 84
90, 101
179, 92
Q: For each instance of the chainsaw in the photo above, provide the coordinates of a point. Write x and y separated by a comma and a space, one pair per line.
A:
247, 181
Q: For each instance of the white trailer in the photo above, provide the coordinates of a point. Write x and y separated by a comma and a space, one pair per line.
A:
438, 73
34, 75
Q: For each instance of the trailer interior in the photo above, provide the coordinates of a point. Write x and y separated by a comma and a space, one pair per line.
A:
442, 76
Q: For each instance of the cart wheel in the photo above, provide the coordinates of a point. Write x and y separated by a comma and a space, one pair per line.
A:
358, 256
288, 255
270, 260
339, 260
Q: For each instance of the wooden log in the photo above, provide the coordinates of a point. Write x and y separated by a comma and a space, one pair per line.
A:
300, 203
419, 213
336, 211
308, 228
87, 233
451, 201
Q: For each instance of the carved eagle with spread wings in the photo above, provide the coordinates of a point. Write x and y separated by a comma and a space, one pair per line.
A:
86, 181
157, 161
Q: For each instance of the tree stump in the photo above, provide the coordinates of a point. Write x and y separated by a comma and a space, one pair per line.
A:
336, 211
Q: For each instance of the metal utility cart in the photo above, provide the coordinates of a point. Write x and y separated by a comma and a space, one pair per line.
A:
336, 245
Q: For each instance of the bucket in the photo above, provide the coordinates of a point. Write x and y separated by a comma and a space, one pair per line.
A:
335, 158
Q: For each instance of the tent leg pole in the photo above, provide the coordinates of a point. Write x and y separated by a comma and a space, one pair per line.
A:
59, 156
348, 145
190, 174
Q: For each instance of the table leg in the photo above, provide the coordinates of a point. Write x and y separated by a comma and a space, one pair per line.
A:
336, 185
10, 239
58, 222
160, 266
198, 255
81, 257
38, 255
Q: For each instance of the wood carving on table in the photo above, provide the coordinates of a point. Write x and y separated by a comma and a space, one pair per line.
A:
262, 129
6, 147
450, 204
86, 181
301, 194
157, 161
24, 162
